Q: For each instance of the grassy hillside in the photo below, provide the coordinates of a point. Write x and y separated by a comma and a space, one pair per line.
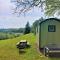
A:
8, 50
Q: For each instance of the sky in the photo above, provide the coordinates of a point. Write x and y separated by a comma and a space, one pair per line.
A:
9, 20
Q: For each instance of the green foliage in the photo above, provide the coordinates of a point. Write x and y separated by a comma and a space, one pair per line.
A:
21, 30
4, 36
12, 30
27, 28
35, 25
52, 6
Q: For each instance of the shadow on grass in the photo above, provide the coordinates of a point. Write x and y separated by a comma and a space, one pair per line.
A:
28, 46
54, 55
22, 51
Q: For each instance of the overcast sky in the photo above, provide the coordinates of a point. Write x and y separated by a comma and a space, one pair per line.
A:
8, 20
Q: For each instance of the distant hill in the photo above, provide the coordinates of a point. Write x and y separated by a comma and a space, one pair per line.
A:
14, 30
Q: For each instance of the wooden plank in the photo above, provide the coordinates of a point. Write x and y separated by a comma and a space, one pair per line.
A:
54, 51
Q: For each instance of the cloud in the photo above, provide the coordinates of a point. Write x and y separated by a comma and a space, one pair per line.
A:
16, 22
8, 20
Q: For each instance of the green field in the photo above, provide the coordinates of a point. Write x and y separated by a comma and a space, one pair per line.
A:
8, 50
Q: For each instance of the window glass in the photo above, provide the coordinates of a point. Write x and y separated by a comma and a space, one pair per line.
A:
51, 28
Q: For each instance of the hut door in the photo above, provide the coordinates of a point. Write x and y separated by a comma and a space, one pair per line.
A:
51, 35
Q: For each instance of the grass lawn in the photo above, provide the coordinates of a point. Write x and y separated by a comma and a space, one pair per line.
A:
8, 50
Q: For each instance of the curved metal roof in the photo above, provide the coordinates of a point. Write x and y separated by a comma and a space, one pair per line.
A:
56, 19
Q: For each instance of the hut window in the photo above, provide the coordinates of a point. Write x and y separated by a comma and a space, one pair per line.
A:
51, 28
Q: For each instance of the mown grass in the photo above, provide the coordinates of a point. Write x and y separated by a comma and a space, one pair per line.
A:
8, 50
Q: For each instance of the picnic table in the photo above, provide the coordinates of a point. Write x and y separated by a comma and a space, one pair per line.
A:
22, 44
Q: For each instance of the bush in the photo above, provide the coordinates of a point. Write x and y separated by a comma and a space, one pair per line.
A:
4, 36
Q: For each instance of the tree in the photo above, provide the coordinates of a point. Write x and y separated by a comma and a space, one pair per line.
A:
51, 6
35, 24
22, 6
27, 28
